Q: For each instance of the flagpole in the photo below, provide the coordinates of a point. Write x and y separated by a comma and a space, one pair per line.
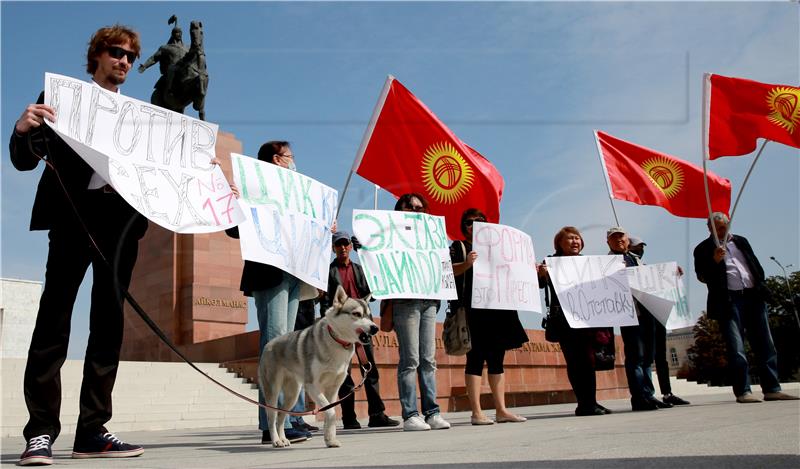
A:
739, 195
376, 197
387, 85
341, 196
704, 150
605, 173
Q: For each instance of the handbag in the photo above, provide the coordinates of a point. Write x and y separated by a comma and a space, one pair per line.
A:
455, 333
603, 347
554, 321
387, 315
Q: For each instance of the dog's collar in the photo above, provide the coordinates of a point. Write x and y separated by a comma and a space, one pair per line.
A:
338, 340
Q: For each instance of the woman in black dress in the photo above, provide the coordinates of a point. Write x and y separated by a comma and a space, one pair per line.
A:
493, 331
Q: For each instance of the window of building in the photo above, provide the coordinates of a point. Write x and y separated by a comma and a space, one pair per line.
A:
673, 355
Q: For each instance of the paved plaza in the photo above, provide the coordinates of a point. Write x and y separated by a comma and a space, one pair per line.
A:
714, 431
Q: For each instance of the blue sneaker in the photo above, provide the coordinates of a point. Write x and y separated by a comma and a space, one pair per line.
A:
104, 445
38, 452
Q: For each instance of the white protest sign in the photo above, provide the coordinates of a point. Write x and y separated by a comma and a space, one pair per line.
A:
289, 218
404, 254
680, 316
649, 284
593, 290
156, 159
504, 275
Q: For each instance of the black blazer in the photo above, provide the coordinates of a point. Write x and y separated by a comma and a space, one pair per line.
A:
51, 207
334, 280
255, 275
713, 274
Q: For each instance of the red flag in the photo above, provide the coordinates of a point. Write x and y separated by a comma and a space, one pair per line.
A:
407, 148
741, 111
647, 177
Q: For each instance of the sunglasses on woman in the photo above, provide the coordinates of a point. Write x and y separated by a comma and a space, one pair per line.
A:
470, 222
118, 53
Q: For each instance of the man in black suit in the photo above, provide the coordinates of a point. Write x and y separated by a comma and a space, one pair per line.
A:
351, 277
736, 294
116, 229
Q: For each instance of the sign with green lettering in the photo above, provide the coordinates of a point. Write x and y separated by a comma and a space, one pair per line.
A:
404, 254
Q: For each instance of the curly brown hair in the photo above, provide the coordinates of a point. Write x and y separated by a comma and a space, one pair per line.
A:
107, 37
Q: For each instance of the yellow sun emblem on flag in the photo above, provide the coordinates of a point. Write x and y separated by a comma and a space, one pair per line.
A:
784, 102
445, 173
665, 174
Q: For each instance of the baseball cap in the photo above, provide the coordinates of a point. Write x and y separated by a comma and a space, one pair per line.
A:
340, 235
615, 229
636, 241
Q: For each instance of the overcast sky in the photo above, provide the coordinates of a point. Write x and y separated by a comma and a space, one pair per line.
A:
524, 83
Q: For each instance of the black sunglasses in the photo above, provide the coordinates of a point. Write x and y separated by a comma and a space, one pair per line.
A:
470, 222
118, 53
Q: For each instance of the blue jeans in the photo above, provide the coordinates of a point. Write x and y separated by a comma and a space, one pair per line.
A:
415, 325
639, 352
749, 315
276, 309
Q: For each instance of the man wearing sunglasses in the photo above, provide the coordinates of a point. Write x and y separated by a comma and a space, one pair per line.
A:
116, 228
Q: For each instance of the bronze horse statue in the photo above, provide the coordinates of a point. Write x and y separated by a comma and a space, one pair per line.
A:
186, 80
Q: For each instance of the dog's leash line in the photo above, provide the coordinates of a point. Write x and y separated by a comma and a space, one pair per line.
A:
154, 327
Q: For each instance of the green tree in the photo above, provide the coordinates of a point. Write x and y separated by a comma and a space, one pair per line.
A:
783, 324
708, 362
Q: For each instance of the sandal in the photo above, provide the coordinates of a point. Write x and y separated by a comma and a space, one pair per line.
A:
482, 420
511, 419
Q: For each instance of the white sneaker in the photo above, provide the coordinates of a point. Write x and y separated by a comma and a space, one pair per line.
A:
415, 424
436, 422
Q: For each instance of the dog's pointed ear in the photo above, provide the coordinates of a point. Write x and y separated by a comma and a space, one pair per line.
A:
340, 297
367, 298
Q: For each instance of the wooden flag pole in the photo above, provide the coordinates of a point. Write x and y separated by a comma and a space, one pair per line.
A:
746, 178
605, 173
704, 150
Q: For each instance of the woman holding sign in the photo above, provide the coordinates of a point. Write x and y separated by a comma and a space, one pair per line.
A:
578, 345
415, 324
492, 331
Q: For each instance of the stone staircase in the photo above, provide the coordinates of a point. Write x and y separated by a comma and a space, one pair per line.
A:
147, 396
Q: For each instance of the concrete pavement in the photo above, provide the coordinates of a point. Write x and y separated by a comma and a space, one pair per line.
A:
714, 431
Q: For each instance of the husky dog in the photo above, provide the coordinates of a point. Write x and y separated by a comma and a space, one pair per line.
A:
316, 357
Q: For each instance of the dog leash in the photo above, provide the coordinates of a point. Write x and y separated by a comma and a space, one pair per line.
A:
154, 327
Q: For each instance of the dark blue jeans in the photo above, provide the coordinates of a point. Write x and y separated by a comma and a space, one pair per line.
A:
638, 347
749, 316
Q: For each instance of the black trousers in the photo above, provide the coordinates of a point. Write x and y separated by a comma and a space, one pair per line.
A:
374, 402
660, 353
576, 345
116, 228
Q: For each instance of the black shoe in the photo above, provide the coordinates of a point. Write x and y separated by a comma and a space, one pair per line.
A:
38, 452
351, 424
103, 445
674, 400
605, 411
382, 420
583, 411
639, 405
294, 436
660, 404
304, 427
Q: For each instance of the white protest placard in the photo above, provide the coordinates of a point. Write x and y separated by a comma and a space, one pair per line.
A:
593, 290
288, 219
660, 289
156, 159
504, 275
404, 254
648, 285
681, 316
